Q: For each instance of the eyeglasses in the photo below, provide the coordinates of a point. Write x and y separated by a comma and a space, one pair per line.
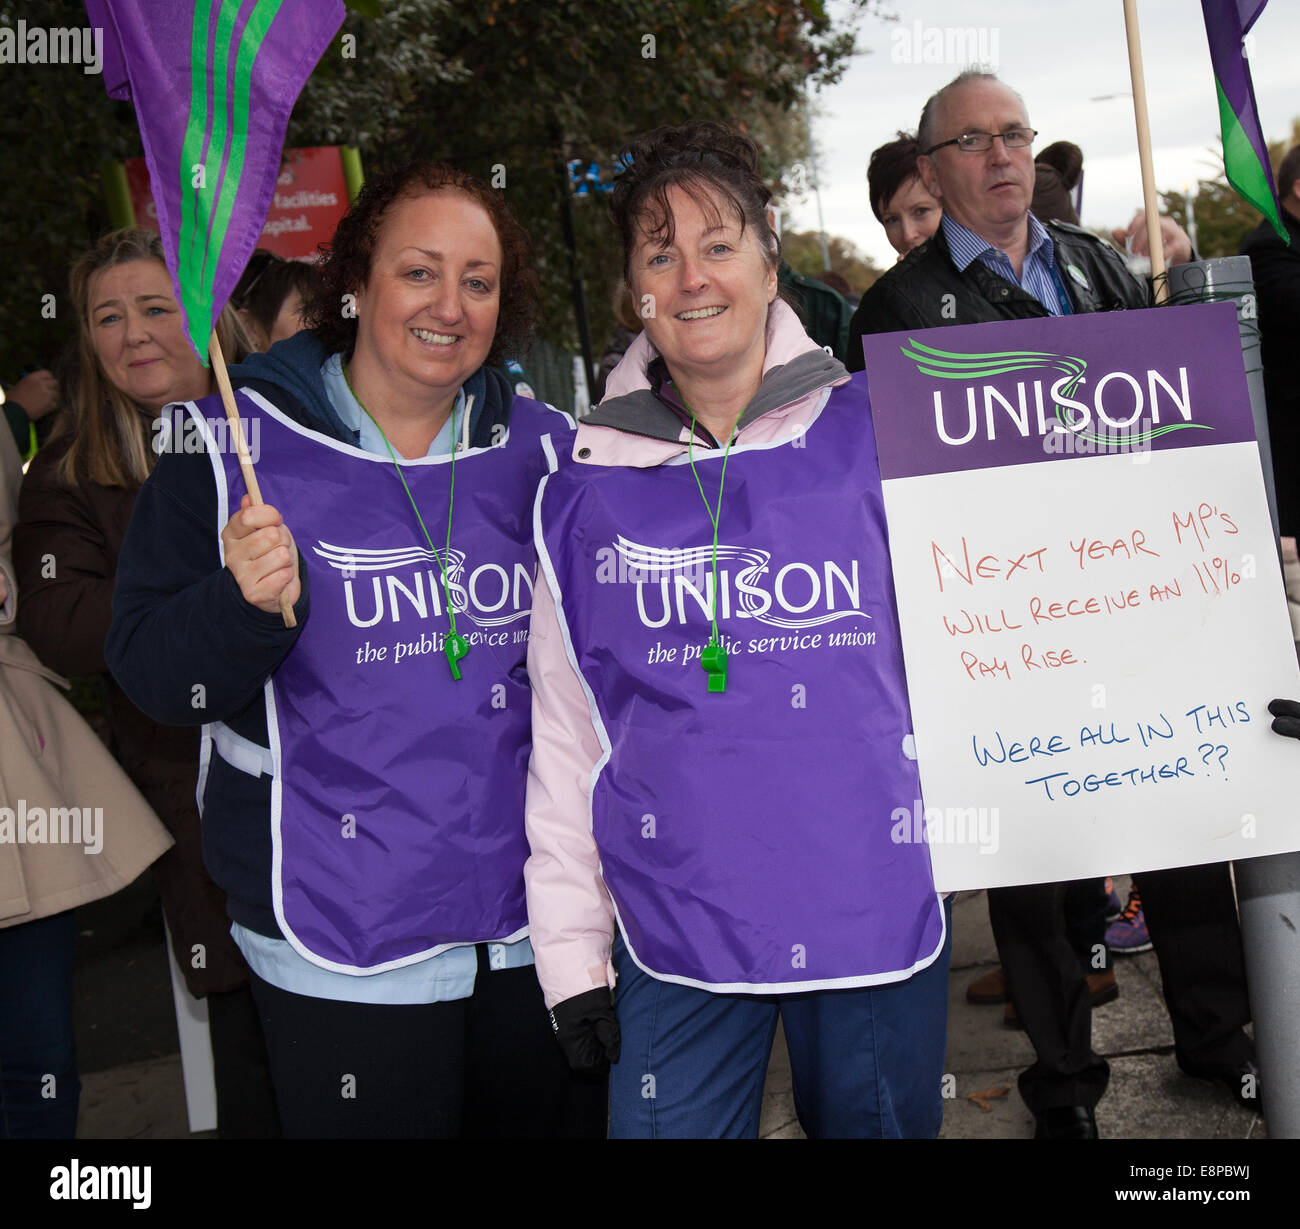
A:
979, 142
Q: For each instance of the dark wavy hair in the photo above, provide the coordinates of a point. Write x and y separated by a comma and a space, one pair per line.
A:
347, 258
268, 281
1288, 171
707, 161
891, 166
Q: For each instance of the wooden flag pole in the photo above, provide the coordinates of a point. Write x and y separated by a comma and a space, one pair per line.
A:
1138, 78
241, 448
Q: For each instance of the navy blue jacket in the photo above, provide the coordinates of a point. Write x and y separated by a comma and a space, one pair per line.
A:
185, 645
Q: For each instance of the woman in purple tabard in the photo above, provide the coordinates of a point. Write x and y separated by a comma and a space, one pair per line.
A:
362, 775
721, 731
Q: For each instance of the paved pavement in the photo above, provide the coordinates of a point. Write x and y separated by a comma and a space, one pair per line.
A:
131, 1071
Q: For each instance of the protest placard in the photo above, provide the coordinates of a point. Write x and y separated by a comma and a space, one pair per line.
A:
1091, 604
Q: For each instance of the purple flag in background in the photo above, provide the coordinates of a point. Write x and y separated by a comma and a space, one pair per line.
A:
1245, 155
213, 83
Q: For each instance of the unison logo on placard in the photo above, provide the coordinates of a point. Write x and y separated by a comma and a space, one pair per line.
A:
1123, 409
670, 583
489, 595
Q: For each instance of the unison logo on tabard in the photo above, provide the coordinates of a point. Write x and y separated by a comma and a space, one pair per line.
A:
488, 594
673, 585
1123, 409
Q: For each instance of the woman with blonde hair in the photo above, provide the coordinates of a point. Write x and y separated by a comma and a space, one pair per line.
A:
133, 358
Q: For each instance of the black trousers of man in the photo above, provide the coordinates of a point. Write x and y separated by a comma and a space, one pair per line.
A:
1192, 919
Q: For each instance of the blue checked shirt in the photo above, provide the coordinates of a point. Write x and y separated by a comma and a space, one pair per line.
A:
1040, 276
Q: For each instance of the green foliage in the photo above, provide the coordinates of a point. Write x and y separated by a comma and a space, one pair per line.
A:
512, 89
1223, 219
803, 253
496, 86
56, 126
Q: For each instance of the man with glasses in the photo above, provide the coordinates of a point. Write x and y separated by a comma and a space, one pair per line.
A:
991, 259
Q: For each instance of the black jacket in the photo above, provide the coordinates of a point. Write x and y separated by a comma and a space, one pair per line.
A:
1276, 270
925, 290
181, 623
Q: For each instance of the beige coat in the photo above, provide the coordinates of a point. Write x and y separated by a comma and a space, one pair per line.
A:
51, 759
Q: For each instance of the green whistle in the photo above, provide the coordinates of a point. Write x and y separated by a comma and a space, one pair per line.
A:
714, 663
456, 647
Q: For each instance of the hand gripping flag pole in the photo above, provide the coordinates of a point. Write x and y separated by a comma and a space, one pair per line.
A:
241, 450
213, 83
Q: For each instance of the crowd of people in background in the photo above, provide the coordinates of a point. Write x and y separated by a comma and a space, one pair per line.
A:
569, 873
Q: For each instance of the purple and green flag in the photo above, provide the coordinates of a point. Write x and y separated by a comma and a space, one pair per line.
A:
1245, 155
213, 83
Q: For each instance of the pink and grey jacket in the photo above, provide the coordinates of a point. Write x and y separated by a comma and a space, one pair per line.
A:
605, 727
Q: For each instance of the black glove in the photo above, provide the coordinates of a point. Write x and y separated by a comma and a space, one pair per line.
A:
587, 1030
1287, 717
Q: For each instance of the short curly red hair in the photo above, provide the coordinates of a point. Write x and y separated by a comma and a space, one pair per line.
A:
347, 258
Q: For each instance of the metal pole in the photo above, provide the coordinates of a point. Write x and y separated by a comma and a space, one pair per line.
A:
817, 178
1268, 892
575, 273
1268, 889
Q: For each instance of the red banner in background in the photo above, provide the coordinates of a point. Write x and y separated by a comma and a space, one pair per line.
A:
311, 196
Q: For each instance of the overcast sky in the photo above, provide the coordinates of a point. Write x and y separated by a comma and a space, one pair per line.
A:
1060, 55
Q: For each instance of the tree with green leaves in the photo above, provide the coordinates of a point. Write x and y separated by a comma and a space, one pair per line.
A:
507, 89
803, 253
1223, 219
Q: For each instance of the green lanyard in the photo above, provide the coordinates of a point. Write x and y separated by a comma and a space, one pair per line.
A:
455, 646
713, 660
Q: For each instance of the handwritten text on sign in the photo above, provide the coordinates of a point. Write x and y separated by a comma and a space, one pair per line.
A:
1093, 622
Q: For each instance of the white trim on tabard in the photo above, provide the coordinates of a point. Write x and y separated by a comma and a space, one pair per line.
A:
794, 987
223, 505
272, 715
205, 759
240, 752
709, 454
546, 405
360, 453
602, 735
549, 449
277, 875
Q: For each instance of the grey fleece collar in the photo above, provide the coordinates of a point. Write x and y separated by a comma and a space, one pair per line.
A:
642, 413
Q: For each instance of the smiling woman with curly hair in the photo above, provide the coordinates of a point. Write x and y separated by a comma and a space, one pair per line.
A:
720, 722
364, 772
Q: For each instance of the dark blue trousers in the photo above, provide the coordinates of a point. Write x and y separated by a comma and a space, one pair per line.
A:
867, 1063
39, 1088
